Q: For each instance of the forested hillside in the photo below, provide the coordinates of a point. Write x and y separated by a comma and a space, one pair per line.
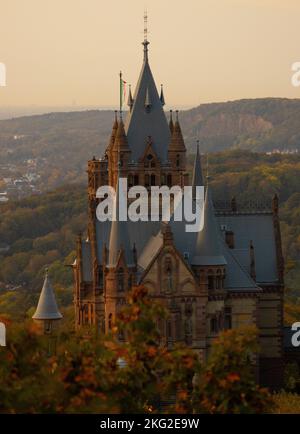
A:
61, 143
41, 230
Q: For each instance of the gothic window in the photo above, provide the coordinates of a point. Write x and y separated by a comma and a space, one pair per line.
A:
147, 180
219, 280
136, 179
130, 281
130, 180
110, 321
227, 319
211, 280
101, 277
168, 274
169, 330
177, 160
152, 179
214, 325
169, 180
120, 277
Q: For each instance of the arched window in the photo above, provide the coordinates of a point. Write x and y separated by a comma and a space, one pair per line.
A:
211, 280
147, 180
136, 179
120, 280
214, 325
152, 179
219, 280
130, 180
110, 321
169, 180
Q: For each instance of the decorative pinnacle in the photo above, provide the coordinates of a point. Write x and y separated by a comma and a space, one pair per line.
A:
145, 42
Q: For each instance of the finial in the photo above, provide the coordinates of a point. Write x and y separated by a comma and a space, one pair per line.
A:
46, 271
171, 115
177, 115
145, 42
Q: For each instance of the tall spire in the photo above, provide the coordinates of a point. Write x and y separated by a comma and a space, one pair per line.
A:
138, 126
47, 307
208, 249
197, 179
119, 239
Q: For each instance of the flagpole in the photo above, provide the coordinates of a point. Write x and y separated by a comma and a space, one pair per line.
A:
121, 94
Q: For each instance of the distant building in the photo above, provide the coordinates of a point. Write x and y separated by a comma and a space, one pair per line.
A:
227, 275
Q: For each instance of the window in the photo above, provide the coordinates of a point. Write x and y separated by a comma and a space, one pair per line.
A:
147, 180
110, 321
219, 280
169, 180
177, 160
214, 325
120, 280
152, 179
211, 281
227, 319
136, 179
186, 256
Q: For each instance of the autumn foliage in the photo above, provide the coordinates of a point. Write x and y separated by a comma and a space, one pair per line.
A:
129, 370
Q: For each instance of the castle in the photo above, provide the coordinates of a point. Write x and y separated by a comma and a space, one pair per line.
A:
226, 275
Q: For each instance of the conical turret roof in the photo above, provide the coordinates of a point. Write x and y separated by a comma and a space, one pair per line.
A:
47, 307
208, 248
197, 179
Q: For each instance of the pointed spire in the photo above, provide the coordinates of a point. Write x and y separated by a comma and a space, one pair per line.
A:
121, 138
171, 124
130, 99
148, 102
177, 142
197, 179
113, 134
208, 249
119, 239
138, 126
47, 307
162, 97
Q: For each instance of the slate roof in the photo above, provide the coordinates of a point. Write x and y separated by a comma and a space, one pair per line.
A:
259, 229
208, 249
47, 307
141, 123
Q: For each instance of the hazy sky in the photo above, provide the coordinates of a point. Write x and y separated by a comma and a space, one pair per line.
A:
60, 51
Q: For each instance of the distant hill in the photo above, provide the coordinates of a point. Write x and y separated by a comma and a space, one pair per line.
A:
63, 142
261, 124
